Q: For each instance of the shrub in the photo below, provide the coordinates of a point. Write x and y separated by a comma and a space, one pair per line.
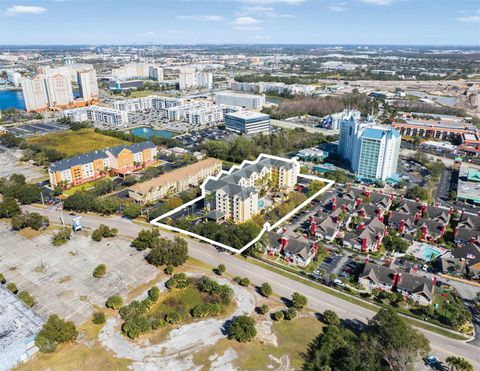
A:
179, 280
173, 317
131, 210
169, 252
242, 329
298, 300
244, 281
221, 269
32, 220
278, 316
62, 236
99, 318
266, 289
103, 231
206, 310
154, 294
290, 314
157, 323
26, 298
146, 239
54, 332
12, 287
2, 279
100, 271
169, 269
263, 309
114, 302
135, 325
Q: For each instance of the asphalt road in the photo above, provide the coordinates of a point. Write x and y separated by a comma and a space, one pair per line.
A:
318, 300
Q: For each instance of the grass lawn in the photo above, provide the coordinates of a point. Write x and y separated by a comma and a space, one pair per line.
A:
77, 356
74, 142
83, 187
293, 338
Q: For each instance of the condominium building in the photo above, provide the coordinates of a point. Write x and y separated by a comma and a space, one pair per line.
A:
197, 113
247, 122
94, 165
146, 103
87, 83
105, 115
138, 71
251, 101
175, 181
70, 71
372, 150
272, 87
236, 195
34, 93
190, 78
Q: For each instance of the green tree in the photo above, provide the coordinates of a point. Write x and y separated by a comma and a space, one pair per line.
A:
114, 302
154, 294
221, 269
131, 210
458, 364
417, 192
278, 316
169, 252
331, 318
290, 314
2, 279
298, 300
242, 329
146, 239
55, 331
12, 287
266, 289
9, 208
263, 309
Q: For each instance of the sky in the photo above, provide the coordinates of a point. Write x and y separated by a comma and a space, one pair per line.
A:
93, 22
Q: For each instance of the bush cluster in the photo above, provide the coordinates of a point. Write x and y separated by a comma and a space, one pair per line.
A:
224, 293
242, 281
54, 332
16, 187
179, 281
100, 271
32, 220
103, 231
206, 310
62, 236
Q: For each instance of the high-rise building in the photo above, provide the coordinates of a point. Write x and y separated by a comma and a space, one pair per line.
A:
59, 91
138, 71
14, 77
372, 149
190, 78
87, 82
35, 93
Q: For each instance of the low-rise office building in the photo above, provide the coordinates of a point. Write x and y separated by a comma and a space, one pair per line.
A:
174, 181
247, 122
94, 165
250, 101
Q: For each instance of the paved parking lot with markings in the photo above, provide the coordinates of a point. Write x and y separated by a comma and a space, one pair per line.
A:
30, 130
60, 278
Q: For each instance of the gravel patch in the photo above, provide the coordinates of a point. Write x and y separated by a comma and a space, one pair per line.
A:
176, 352
223, 362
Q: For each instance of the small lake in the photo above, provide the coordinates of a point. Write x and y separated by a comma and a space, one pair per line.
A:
149, 132
441, 99
11, 99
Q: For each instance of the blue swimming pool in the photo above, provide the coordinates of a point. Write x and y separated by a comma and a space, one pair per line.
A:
261, 203
429, 253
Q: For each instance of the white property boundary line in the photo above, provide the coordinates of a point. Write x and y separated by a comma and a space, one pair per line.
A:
266, 227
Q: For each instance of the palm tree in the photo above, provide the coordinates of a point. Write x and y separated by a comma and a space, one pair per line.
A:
458, 364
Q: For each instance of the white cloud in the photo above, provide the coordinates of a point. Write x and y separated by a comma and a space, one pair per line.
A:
266, 11
379, 2
469, 19
245, 21
149, 34
248, 28
23, 9
173, 31
201, 18
337, 8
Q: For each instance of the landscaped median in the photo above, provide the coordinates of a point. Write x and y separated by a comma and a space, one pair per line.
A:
292, 274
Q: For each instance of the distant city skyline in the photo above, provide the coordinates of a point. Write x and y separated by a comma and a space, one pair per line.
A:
93, 22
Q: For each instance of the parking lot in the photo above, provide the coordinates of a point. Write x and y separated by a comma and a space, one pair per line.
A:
340, 264
41, 128
10, 164
194, 139
60, 278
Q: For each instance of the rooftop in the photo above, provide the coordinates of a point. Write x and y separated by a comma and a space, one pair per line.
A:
247, 115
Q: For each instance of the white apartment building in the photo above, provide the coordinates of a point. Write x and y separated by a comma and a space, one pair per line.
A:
146, 103
251, 101
272, 87
42, 92
14, 77
138, 71
190, 78
109, 116
34, 93
87, 82
198, 113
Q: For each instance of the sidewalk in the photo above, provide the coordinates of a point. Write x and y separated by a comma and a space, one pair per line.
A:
468, 282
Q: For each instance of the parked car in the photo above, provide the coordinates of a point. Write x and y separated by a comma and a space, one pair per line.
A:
432, 361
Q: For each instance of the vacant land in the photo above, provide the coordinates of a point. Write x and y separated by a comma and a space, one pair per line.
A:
10, 164
60, 278
74, 142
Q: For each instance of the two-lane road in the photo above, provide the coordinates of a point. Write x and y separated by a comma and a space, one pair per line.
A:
318, 300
